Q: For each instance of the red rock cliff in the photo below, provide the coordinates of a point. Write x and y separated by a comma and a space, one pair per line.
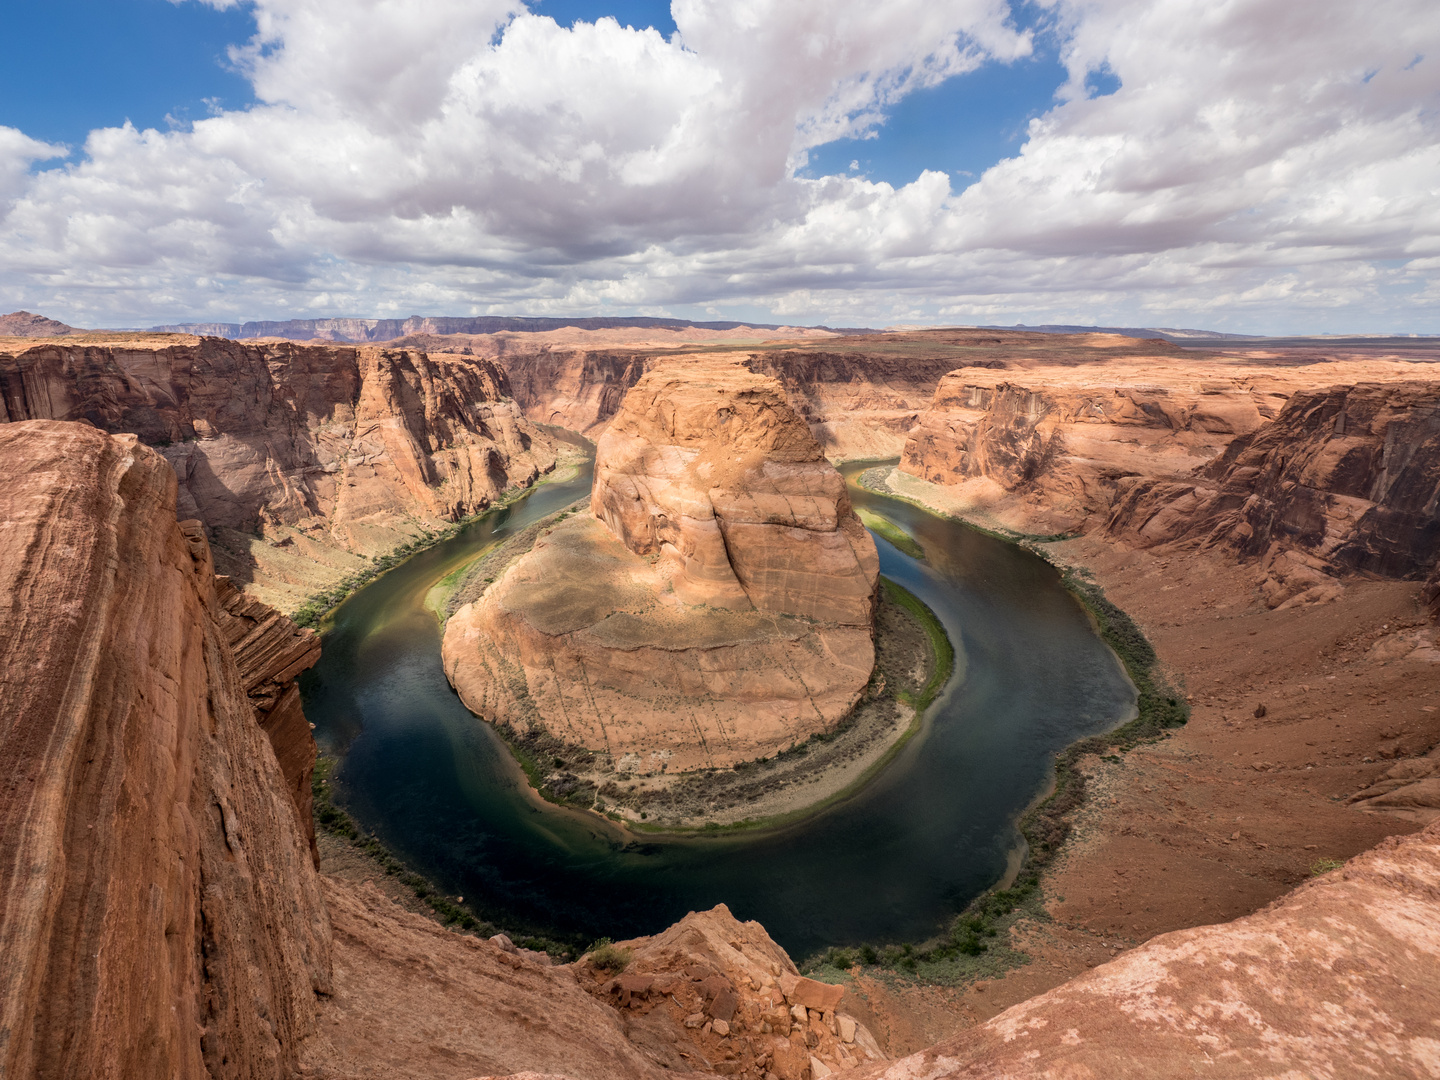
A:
328, 452
1345, 479
159, 911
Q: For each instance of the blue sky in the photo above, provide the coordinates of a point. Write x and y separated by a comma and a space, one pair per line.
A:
1257, 166
158, 64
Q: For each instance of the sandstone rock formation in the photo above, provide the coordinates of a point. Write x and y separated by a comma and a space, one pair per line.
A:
860, 394
1336, 979
270, 652
300, 460
738, 1001
159, 911
718, 611
1312, 483
1345, 479
1068, 437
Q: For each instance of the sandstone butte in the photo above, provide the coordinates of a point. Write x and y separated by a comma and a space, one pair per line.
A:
302, 461
717, 605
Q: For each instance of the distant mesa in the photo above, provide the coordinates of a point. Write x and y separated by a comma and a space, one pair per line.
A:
362, 331
26, 324
718, 604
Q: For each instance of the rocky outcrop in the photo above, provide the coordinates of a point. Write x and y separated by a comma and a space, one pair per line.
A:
299, 459
717, 608
1345, 479
159, 911
1065, 439
23, 324
270, 652
736, 1000
1336, 979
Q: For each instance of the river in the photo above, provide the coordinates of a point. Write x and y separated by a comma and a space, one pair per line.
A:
892, 863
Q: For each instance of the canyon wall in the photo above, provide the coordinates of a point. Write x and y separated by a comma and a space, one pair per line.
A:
1312, 484
1063, 439
857, 405
303, 461
860, 395
718, 607
1346, 479
160, 914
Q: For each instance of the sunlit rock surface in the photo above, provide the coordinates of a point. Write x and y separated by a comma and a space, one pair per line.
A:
718, 607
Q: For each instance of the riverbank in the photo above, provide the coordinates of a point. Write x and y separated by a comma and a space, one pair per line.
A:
312, 611
914, 661
1222, 815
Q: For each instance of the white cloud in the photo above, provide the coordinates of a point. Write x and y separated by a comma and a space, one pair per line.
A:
1263, 163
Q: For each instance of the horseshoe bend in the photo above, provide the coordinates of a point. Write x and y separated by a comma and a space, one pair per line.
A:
716, 604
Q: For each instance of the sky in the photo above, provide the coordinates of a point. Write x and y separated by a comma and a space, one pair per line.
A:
1258, 166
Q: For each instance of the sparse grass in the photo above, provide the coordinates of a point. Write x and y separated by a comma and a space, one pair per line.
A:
1324, 866
941, 648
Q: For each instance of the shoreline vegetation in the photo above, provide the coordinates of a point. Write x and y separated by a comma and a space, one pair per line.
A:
312, 611
975, 945
914, 661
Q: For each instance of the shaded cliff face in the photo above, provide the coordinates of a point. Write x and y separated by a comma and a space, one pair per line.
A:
159, 911
328, 453
1345, 479
719, 606
1336, 979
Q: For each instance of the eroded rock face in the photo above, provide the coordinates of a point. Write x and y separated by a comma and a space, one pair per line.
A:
717, 609
732, 995
328, 452
1345, 479
159, 911
1069, 437
711, 469
1336, 979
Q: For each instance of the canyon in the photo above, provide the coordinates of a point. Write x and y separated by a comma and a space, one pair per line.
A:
715, 606
1266, 516
304, 462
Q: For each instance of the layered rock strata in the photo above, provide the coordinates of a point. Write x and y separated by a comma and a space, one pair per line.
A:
1067, 439
1313, 484
1345, 479
301, 460
270, 652
717, 608
860, 395
159, 911
1336, 979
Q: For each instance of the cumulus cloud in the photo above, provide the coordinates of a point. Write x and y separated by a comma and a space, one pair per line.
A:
1261, 163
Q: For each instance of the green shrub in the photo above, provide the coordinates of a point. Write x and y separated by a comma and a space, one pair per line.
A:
608, 957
